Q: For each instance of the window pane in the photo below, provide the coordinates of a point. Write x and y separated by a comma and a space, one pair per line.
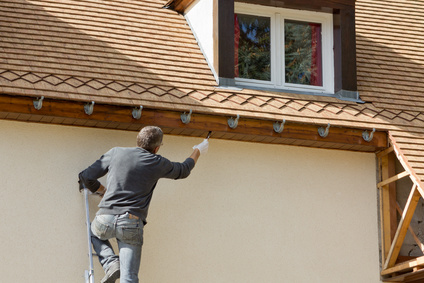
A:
303, 48
252, 47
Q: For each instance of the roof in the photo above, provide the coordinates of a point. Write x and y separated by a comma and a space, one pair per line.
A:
127, 52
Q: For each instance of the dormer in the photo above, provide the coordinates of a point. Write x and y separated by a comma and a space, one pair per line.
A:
303, 46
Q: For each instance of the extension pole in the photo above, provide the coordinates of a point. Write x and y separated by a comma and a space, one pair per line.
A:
89, 274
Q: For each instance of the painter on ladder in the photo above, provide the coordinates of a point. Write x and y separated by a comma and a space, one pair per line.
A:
132, 174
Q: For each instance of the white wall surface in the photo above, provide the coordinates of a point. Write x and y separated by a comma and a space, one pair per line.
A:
249, 212
200, 18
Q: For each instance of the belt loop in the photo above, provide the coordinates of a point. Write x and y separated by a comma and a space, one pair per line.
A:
116, 222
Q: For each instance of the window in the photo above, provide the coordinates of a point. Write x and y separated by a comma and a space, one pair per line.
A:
283, 48
252, 47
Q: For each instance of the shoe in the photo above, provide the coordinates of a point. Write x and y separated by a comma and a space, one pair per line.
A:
112, 273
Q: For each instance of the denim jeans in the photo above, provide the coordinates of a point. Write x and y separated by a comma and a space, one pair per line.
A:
129, 235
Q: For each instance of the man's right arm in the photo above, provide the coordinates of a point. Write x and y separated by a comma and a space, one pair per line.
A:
195, 155
177, 170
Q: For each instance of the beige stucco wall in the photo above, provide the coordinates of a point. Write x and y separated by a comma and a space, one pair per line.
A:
248, 213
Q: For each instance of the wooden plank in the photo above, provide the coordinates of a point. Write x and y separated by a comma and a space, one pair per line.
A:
392, 193
385, 152
412, 277
416, 239
406, 218
404, 266
384, 241
392, 200
416, 268
224, 38
387, 205
347, 45
393, 179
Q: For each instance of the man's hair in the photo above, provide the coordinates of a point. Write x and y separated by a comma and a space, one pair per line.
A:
149, 138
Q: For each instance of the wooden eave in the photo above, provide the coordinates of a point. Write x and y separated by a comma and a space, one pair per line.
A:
178, 5
66, 112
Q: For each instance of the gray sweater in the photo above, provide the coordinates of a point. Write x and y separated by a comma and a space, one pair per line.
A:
132, 177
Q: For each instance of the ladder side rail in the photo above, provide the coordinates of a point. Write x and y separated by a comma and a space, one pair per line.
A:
90, 272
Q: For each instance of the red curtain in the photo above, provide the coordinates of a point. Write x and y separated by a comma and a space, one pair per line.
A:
236, 44
316, 64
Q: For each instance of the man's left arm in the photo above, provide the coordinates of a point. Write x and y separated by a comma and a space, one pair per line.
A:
89, 176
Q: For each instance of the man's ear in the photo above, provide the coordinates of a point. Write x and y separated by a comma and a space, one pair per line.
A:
156, 149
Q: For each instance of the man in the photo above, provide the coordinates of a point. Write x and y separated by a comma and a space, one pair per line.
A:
132, 174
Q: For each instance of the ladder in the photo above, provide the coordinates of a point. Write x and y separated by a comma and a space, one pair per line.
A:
89, 274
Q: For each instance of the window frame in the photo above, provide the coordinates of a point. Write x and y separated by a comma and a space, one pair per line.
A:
277, 17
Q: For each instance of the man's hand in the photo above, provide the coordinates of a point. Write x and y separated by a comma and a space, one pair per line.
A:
203, 146
100, 191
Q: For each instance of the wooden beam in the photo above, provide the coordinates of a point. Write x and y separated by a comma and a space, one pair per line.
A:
404, 162
344, 50
385, 152
387, 205
223, 33
406, 218
393, 179
392, 195
416, 276
404, 266
199, 122
347, 45
416, 239
385, 239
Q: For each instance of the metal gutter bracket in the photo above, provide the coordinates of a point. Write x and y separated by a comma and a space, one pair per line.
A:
136, 112
88, 108
38, 102
324, 132
368, 136
232, 123
185, 118
278, 128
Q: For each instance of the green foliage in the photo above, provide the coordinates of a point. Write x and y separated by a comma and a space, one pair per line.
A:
298, 55
254, 52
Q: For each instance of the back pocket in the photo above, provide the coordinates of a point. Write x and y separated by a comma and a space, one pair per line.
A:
132, 235
100, 230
